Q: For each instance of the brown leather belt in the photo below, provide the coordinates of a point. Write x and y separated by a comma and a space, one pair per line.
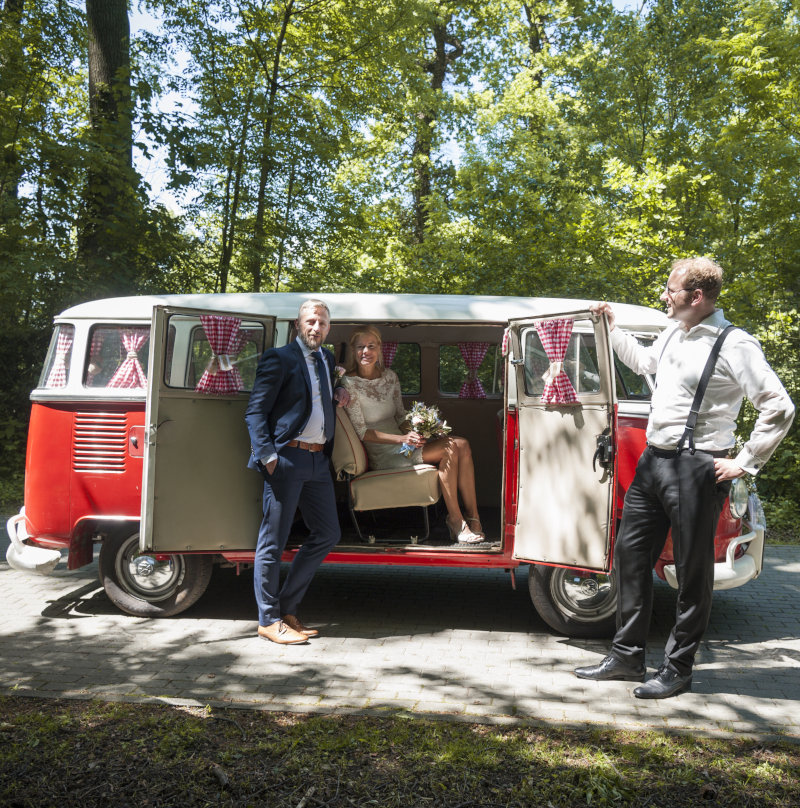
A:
309, 447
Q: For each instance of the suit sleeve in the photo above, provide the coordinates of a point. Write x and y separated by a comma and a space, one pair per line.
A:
269, 377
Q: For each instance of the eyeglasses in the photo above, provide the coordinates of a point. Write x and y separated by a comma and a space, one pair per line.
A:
672, 292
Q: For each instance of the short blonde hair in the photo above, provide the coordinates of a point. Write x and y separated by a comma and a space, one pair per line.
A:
361, 331
313, 303
700, 273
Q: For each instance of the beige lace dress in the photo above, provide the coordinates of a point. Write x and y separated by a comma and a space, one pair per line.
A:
377, 404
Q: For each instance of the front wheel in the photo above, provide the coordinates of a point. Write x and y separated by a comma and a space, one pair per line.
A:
145, 586
574, 602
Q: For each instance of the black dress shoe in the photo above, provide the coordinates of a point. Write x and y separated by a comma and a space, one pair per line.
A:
613, 669
664, 684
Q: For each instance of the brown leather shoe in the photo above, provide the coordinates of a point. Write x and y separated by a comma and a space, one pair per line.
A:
293, 621
280, 632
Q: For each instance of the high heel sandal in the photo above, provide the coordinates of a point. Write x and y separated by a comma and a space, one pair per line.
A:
464, 534
471, 520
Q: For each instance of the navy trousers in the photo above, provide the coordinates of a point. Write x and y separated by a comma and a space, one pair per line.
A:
300, 479
680, 492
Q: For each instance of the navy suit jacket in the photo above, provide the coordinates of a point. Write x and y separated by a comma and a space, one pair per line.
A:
280, 402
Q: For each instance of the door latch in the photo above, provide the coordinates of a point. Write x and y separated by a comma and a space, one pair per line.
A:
604, 453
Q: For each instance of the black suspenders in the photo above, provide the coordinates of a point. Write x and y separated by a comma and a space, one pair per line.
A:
691, 421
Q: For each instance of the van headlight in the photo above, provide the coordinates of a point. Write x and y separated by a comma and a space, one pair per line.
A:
737, 499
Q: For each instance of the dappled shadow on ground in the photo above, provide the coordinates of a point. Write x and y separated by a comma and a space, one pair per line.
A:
434, 640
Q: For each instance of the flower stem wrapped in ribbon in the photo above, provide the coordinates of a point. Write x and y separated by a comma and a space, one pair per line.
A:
426, 421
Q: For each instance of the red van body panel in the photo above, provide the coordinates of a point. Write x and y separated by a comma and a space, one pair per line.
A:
82, 466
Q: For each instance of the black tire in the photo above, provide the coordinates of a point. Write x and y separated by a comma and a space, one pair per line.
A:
574, 602
140, 585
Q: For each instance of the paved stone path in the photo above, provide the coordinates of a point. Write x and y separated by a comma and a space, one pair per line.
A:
444, 642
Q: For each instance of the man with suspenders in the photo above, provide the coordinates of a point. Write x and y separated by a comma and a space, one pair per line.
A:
704, 367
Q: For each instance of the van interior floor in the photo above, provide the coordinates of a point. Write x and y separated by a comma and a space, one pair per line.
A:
405, 527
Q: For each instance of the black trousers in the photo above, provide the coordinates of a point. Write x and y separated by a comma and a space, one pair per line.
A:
678, 491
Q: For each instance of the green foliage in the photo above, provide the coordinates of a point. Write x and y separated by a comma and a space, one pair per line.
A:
555, 147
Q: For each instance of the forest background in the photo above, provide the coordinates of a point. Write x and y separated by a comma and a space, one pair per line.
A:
547, 147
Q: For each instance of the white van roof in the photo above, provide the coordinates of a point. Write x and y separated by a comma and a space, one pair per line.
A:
363, 307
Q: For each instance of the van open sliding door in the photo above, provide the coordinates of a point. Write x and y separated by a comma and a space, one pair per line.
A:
198, 493
563, 386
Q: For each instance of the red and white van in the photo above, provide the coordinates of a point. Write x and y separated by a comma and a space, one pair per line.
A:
137, 442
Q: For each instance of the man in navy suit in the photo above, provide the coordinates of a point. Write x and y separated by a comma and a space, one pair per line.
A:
291, 419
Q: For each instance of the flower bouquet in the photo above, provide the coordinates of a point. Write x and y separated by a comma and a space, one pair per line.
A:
426, 421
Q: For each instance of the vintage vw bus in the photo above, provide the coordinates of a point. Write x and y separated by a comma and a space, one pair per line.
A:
137, 443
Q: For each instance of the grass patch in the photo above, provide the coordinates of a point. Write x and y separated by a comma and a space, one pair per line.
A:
87, 754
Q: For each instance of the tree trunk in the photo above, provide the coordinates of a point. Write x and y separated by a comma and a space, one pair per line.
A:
256, 257
537, 37
11, 65
235, 177
426, 120
107, 234
286, 213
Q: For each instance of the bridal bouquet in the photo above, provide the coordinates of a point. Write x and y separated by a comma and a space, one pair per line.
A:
426, 421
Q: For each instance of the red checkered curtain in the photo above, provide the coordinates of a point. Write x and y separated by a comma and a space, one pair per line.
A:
130, 374
57, 377
389, 350
226, 340
555, 335
95, 356
473, 353
96, 347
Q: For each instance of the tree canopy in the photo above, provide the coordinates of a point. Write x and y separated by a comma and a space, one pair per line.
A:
504, 146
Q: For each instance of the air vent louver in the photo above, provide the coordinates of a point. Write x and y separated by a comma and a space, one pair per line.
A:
99, 441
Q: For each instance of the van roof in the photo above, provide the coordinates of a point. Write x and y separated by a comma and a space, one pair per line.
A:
362, 307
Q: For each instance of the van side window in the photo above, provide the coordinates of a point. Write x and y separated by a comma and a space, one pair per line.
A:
118, 356
226, 364
470, 370
631, 386
579, 363
59, 358
404, 359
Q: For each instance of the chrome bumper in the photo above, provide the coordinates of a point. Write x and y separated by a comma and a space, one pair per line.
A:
25, 557
733, 572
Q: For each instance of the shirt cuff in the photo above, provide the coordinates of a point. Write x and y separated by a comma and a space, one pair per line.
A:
265, 461
750, 463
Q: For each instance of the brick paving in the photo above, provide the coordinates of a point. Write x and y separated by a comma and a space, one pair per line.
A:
455, 643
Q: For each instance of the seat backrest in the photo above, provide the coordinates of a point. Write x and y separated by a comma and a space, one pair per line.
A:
349, 455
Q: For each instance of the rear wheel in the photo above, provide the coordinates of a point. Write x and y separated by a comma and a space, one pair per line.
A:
574, 602
145, 586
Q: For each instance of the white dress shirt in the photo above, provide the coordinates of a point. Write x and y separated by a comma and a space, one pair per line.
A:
741, 370
314, 430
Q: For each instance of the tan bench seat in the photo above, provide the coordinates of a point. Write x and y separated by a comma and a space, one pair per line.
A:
416, 486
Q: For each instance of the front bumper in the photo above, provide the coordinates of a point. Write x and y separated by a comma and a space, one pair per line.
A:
733, 572
25, 557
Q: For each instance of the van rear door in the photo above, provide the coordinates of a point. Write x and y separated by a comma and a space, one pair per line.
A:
198, 493
566, 444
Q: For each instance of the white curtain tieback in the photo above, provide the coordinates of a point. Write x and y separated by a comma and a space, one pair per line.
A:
552, 372
219, 362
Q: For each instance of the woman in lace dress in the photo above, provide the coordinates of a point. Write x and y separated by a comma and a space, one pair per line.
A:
376, 412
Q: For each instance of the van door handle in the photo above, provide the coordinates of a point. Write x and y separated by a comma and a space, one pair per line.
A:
604, 453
